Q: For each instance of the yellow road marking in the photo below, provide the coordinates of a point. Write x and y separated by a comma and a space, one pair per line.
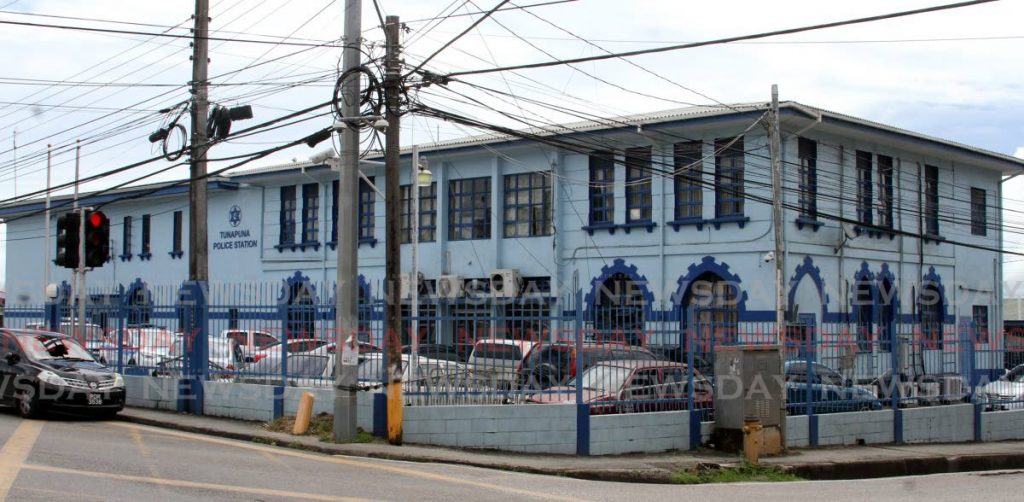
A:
342, 461
15, 451
180, 483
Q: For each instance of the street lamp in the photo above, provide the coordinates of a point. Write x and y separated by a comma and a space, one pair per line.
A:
421, 177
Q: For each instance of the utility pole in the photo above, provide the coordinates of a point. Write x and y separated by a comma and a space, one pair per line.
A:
346, 293
46, 225
79, 323
197, 240
780, 315
392, 248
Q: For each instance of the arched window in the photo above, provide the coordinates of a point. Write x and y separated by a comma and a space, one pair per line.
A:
713, 302
932, 311
301, 311
619, 310
863, 312
886, 314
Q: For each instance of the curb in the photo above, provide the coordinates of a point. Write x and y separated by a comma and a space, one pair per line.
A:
650, 475
916, 466
858, 469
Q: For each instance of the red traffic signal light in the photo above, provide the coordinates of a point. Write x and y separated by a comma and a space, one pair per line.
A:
97, 238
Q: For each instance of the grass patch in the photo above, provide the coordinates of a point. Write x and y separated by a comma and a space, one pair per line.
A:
321, 426
743, 473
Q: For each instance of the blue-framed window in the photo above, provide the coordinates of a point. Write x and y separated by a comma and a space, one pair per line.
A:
980, 315
427, 213
931, 200
527, 205
287, 216
638, 185
310, 213
334, 212
979, 211
126, 239
885, 193
367, 204
729, 191
931, 309
144, 253
689, 193
602, 188
176, 250
865, 188
807, 153
864, 313
469, 209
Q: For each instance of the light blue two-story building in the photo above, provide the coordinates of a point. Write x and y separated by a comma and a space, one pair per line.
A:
661, 221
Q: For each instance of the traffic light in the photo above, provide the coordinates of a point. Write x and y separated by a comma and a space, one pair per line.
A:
97, 238
67, 240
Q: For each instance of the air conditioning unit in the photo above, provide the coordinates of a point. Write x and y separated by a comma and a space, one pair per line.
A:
505, 283
450, 286
406, 283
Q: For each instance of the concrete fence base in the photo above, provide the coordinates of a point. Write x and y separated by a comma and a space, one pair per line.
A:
553, 428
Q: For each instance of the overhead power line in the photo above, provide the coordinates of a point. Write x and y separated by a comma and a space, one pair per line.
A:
152, 34
721, 41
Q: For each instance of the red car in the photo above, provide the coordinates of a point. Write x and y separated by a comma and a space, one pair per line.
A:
629, 386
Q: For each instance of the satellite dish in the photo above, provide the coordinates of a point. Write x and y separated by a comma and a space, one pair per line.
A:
849, 231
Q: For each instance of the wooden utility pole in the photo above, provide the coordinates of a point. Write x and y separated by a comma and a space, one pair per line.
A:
392, 240
198, 267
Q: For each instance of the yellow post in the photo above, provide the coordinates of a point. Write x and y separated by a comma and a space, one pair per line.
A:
753, 438
304, 413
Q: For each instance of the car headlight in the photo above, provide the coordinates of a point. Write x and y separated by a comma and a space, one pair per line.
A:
118, 380
51, 378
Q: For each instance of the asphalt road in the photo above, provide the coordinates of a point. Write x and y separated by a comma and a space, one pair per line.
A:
75, 459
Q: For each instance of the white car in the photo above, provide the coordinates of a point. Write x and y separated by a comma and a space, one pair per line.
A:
250, 341
1005, 393
495, 363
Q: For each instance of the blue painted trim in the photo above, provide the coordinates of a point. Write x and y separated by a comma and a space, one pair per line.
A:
739, 219
590, 229
807, 269
695, 222
278, 402
177, 254
380, 415
897, 422
695, 416
646, 225
618, 266
708, 264
372, 241
977, 422
583, 429
145, 256
311, 244
806, 221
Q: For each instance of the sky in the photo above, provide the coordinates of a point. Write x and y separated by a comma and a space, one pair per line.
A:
953, 74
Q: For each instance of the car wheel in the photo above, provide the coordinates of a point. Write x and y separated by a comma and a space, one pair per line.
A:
28, 403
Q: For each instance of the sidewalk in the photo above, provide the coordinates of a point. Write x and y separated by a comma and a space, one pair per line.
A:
820, 463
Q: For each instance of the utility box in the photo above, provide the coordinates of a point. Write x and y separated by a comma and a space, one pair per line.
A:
748, 386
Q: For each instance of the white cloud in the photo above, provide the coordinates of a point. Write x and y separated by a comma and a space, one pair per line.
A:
1019, 153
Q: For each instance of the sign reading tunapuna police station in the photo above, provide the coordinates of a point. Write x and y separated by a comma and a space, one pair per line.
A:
235, 239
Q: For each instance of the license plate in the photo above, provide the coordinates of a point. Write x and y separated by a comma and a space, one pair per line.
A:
95, 399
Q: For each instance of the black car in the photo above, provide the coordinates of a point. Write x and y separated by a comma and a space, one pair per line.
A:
42, 370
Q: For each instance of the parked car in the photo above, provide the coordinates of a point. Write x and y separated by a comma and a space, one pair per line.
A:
829, 391
250, 341
435, 351
42, 371
224, 353
924, 389
1005, 393
495, 363
316, 368
549, 365
633, 385
295, 346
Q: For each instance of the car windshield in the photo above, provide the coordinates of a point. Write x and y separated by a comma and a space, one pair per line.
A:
606, 379
41, 347
1015, 374
498, 351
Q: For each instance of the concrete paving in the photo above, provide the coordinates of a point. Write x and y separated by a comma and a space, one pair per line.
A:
821, 463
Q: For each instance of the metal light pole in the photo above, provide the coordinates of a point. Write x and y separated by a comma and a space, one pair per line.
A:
79, 323
420, 177
46, 226
346, 294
